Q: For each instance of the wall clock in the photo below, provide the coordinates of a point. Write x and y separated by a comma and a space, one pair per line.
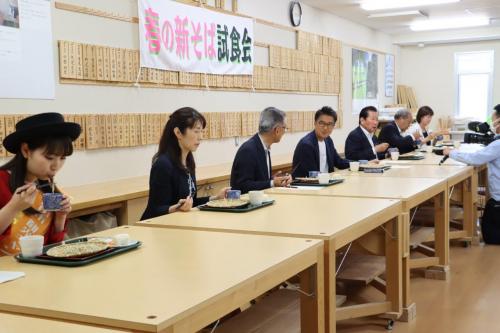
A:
295, 13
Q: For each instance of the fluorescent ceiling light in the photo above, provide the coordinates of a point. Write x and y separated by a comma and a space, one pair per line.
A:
464, 22
405, 13
391, 4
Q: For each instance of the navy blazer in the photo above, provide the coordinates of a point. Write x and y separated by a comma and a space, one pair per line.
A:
249, 171
306, 156
390, 134
167, 185
357, 146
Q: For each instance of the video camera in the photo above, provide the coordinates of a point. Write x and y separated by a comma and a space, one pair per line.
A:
483, 133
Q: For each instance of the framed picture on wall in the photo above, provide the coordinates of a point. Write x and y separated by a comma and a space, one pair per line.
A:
389, 75
364, 79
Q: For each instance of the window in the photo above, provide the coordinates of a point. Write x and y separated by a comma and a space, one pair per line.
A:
474, 84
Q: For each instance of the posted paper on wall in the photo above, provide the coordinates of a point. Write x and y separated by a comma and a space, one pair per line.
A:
26, 49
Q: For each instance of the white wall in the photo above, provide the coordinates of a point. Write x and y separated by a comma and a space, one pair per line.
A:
430, 71
100, 165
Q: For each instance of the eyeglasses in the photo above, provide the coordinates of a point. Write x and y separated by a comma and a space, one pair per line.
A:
323, 124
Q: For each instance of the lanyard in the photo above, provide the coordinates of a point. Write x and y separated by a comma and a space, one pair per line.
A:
191, 186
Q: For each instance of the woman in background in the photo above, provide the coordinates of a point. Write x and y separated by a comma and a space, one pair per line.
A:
172, 181
424, 118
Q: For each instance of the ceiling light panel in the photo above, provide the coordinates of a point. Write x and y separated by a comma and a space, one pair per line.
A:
462, 22
401, 13
394, 4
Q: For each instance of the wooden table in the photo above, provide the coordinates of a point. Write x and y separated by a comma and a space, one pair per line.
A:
128, 197
430, 159
469, 188
412, 192
177, 281
13, 323
337, 222
457, 177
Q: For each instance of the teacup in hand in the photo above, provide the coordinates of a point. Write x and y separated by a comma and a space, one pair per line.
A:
233, 194
52, 201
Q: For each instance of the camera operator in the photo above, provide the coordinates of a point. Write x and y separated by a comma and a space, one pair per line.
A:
490, 223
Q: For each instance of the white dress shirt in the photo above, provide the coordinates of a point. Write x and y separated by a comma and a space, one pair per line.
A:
415, 127
323, 162
267, 150
369, 136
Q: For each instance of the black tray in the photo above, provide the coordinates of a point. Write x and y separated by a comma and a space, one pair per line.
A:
384, 167
330, 183
410, 158
243, 209
75, 262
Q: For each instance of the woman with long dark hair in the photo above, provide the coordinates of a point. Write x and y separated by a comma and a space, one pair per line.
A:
172, 181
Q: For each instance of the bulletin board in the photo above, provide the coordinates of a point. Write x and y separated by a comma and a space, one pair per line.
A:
26, 55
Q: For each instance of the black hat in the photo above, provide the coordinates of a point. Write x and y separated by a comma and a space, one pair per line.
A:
40, 125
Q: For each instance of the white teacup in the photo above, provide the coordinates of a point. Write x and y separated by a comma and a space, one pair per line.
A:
394, 155
256, 197
456, 144
31, 246
354, 166
324, 178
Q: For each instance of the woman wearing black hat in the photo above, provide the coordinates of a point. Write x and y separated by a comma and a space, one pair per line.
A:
40, 144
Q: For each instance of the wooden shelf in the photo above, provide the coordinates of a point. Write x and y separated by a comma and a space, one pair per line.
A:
361, 268
421, 235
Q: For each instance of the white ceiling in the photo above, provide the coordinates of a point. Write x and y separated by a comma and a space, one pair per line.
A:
350, 9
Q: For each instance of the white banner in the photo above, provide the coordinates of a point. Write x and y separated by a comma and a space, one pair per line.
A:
179, 37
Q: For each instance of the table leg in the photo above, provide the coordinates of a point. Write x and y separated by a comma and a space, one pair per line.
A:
330, 286
468, 206
393, 259
442, 237
409, 308
312, 301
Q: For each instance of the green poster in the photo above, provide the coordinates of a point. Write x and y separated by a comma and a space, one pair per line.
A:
364, 75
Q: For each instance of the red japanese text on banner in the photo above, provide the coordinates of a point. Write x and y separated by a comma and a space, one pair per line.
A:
179, 37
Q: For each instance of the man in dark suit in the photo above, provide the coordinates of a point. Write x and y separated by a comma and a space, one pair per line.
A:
315, 151
391, 133
362, 143
252, 168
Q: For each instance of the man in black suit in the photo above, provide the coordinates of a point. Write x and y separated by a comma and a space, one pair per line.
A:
362, 143
315, 151
252, 168
391, 133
